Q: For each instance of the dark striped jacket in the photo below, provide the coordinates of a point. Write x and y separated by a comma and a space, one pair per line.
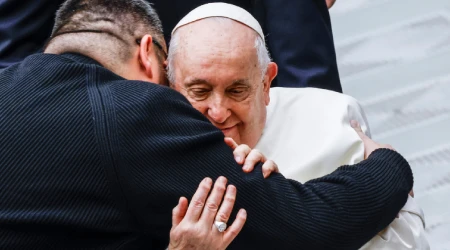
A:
89, 160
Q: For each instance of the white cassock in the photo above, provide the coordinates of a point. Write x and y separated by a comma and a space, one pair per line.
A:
308, 134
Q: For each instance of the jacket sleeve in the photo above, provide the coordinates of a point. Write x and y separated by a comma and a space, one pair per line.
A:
300, 41
167, 148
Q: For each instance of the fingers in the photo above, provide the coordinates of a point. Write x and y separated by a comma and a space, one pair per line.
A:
240, 153
369, 144
253, 158
244, 155
179, 211
355, 125
214, 200
227, 205
236, 227
231, 143
269, 167
198, 200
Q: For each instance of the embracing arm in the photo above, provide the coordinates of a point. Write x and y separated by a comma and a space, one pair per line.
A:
407, 231
168, 148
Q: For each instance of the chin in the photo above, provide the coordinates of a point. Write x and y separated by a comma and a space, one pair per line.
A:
251, 142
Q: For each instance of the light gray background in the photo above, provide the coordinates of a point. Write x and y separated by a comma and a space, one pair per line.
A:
394, 57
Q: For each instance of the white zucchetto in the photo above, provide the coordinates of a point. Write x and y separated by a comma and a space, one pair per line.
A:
221, 10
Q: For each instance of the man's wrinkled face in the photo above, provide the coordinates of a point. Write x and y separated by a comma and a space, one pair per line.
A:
217, 70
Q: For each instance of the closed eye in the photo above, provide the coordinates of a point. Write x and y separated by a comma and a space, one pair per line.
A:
239, 93
198, 93
236, 91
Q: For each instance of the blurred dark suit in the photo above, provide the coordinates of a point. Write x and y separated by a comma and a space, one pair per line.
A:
298, 33
24, 27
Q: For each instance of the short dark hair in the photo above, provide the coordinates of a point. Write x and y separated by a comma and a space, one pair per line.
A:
120, 19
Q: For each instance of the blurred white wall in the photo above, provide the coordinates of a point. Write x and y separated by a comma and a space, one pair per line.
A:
394, 57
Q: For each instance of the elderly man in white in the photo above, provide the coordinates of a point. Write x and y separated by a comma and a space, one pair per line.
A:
219, 61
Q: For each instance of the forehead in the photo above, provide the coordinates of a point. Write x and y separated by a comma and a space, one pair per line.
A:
215, 30
217, 50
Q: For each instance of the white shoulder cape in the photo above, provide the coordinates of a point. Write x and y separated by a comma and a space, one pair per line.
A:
308, 134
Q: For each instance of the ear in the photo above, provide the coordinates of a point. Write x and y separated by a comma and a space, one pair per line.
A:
145, 51
271, 73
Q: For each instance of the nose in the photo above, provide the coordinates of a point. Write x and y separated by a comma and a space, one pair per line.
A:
218, 111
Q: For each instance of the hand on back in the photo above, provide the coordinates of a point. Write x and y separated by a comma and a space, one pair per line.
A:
249, 158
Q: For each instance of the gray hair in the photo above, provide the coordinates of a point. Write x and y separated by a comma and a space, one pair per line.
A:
260, 46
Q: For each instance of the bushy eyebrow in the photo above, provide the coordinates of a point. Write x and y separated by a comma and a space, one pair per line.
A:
245, 82
196, 81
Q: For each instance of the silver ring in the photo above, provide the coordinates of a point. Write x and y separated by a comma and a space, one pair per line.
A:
221, 226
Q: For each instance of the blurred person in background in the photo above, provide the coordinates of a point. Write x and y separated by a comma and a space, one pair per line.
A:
299, 34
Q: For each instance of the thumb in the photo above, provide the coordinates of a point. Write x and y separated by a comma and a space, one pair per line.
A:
179, 211
231, 143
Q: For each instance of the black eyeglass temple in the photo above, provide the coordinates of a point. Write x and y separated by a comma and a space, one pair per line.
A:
138, 41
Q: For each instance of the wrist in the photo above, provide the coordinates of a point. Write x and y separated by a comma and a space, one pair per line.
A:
396, 161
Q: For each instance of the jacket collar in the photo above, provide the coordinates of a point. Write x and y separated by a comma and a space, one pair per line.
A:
80, 58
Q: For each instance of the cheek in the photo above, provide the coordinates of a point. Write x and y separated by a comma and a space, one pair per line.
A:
253, 116
243, 112
266, 98
179, 89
